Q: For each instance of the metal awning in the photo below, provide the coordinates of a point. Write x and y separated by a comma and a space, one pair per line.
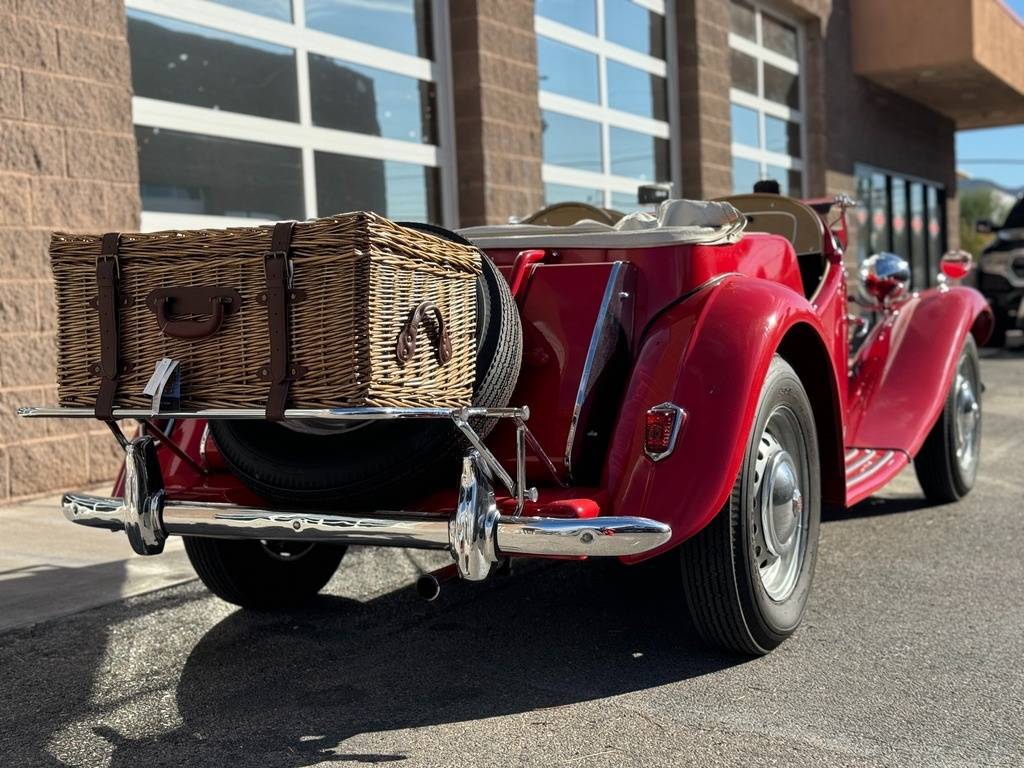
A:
961, 58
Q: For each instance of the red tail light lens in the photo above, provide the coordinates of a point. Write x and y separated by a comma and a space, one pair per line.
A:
661, 428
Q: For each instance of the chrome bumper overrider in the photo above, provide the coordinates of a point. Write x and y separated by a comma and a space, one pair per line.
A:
476, 534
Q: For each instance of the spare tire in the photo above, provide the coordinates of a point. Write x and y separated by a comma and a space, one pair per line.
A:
380, 463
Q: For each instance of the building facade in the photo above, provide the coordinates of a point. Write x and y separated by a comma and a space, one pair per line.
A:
200, 113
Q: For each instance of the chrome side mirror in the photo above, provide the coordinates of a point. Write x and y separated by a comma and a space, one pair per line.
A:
884, 279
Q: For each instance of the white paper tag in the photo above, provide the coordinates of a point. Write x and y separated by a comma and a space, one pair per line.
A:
163, 372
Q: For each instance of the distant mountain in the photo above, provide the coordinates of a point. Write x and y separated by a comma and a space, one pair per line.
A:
1004, 195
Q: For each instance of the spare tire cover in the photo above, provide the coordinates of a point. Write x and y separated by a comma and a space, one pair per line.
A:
380, 463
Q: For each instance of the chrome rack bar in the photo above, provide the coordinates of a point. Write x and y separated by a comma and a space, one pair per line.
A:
337, 414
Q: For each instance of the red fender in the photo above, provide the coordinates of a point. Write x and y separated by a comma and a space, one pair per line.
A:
709, 355
905, 369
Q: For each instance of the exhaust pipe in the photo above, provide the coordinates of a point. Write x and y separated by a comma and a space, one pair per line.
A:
428, 585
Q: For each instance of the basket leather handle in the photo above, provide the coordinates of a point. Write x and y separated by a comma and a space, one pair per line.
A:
406, 346
215, 301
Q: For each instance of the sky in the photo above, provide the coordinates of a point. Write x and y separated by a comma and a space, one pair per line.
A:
994, 144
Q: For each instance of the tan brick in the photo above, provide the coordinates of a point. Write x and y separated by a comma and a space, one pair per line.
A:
26, 43
5, 486
46, 306
18, 307
44, 466
101, 156
15, 199
95, 57
105, 15
70, 204
105, 457
122, 202
31, 148
13, 428
28, 360
61, 100
24, 252
10, 92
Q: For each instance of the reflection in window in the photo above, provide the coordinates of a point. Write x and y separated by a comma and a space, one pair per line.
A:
781, 136
638, 155
744, 126
636, 91
189, 64
781, 87
351, 97
742, 20
191, 173
274, 9
627, 203
633, 26
564, 193
744, 72
581, 14
571, 142
566, 70
745, 173
789, 181
399, 25
401, 191
779, 36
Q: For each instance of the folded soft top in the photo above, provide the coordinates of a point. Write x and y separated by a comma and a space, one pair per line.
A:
676, 222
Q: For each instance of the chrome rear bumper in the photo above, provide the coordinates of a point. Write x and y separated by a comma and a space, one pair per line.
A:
476, 534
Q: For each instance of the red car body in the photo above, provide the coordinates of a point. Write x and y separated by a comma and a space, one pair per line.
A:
698, 326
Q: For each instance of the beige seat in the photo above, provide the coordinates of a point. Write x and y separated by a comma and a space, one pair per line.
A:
793, 220
567, 214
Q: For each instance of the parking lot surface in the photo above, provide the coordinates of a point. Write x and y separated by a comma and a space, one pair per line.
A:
912, 653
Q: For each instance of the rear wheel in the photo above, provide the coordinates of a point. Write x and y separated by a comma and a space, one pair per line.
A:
947, 463
263, 574
747, 575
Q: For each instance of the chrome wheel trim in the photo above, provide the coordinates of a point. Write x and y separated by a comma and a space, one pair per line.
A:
966, 418
781, 515
286, 551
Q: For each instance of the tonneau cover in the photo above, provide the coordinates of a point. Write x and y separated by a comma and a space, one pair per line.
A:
676, 222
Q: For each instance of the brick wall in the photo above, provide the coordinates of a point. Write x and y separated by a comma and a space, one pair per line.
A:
67, 161
497, 119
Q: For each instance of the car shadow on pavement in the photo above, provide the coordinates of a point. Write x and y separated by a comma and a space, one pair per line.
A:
288, 689
875, 506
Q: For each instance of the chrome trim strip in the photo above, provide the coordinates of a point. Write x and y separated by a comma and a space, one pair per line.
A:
338, 414
605, 316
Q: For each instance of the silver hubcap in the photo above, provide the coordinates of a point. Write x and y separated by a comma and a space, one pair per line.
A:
780, 528
967, 422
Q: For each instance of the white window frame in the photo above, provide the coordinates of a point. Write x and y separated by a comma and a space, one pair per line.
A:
761, 155
606, 117
304, 135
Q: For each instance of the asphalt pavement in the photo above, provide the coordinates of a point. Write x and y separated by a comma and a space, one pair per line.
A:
911, 653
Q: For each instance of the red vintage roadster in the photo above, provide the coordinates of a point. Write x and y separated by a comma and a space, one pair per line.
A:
687, 389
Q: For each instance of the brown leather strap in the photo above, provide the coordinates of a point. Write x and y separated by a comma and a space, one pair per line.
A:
405, 347
107, 274
276, 265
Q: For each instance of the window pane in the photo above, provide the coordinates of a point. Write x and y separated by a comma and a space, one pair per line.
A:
401, 191
744, 72
781, 87
621, 201
780, 175
401, 25
743, 20
638, 155
574, 13
563, 193
633, 90
878, 206
189, 64
900, 230
571, 142
633, 26
744, 174
936, 201
781, 136
924, 267
796, 184
744, 126
778, 36
566, 70
351, 97
275, 9
192, 173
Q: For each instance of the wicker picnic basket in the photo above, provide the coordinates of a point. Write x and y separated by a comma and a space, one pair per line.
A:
350, 310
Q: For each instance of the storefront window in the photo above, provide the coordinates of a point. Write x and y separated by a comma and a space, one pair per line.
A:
767, 121
900, 215
604, 97
240, 127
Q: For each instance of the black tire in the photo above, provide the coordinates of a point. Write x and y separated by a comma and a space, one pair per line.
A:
380, 463
254, 574
726, 594
944, 473
999, 328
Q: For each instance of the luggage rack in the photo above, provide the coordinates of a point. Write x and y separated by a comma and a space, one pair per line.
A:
476, 534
